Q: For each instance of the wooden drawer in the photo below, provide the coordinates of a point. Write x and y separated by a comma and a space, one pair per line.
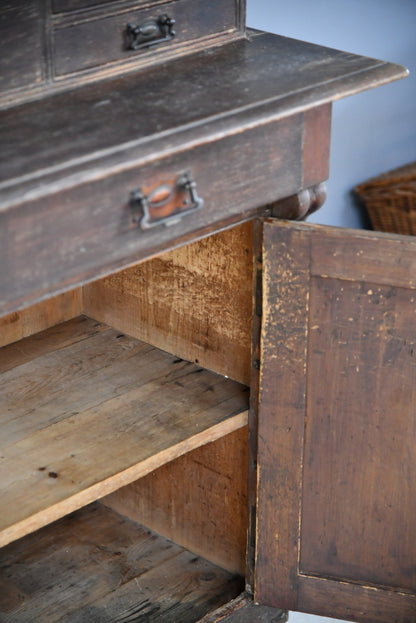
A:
86, 230
90, 40
70, 162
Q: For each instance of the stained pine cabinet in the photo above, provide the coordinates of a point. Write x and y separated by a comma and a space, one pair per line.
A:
336, 424
206, 412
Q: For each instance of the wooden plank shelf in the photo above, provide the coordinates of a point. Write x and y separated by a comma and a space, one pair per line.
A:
96, 566
85, 410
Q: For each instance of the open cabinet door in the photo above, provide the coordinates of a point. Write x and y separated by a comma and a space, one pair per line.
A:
336, 526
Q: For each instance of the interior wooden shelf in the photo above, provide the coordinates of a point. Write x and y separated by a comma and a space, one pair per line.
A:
85, 410
95, 566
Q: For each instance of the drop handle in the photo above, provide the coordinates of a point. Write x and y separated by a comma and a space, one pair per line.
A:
149, 33
166, 203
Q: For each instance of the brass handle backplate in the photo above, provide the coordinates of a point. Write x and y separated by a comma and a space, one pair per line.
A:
166, 203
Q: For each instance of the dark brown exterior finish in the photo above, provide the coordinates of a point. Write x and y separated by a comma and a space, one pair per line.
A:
337, 425
69, 238
93, 42
316, 143
280, 418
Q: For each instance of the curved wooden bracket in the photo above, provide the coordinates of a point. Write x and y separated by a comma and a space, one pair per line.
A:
299, 207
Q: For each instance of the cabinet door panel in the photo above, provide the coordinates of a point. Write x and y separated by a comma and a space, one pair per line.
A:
337, 424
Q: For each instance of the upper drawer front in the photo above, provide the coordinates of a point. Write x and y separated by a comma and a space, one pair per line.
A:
90, 40
73, 236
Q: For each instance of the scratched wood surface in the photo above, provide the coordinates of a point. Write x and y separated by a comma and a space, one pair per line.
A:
195, 302
242, 609
87, 409
207, 513
96, 566
41, 316
337, 424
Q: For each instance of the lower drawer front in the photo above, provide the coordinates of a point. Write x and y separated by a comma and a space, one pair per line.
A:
97, 40
71, 237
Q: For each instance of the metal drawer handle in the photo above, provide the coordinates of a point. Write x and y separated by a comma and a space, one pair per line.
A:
165, 204
151, 32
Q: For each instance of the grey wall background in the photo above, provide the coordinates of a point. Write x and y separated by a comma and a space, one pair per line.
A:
371, 132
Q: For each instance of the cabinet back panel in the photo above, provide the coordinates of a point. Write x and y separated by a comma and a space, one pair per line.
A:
198, 501
195, 302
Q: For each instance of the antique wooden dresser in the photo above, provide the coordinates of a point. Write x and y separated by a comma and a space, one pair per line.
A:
206, 411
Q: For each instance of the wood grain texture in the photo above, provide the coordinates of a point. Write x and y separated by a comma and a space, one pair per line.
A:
282, 388
194, 302
350, 474
96, 413
21, 29
257, 307
316, 144
353, 602
41, 316
95, 566
244, 610
58, 241
199, 501
335, 256
361, 432
92, 42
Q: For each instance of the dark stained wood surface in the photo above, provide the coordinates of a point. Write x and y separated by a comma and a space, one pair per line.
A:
282, 391
196, 98
93, 42
337, 461
70, 162
79, 233
97, 567
21, 45
244, 610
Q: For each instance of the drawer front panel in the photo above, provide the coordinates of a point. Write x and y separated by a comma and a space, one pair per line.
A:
106, 39
76, 235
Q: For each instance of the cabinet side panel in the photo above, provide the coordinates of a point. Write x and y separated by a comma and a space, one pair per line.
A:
195, 302
198, 501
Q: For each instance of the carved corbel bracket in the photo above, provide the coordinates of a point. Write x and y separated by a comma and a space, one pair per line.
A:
299, 207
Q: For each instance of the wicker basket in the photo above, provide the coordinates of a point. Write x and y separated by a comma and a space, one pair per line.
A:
390, 200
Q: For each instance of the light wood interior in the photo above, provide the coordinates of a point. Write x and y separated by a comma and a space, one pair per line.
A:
199, 501
86, 410
89, 411
195, 302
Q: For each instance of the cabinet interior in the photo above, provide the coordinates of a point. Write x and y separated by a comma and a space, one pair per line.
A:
122, 461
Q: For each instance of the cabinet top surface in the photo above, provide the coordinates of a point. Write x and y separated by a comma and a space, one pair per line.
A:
143, 115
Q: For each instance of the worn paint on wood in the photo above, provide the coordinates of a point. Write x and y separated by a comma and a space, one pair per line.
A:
337, 463
244, 610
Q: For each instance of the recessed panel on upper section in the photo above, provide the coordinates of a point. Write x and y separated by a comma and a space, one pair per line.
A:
46, 47
135, 32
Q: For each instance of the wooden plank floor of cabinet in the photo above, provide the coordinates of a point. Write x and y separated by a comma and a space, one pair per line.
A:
96, 566
85, 409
